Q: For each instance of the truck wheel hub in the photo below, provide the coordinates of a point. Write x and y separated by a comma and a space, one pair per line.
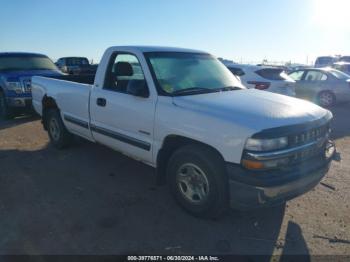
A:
192, 183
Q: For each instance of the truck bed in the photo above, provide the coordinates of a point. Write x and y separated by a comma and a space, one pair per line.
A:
71, 94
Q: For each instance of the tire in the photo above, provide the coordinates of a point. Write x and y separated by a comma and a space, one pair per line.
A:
326, 99
198, 181
5, 111
59, 135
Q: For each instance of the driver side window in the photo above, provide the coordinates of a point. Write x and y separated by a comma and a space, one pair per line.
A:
124, 71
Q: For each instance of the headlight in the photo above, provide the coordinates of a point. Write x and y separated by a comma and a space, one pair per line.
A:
15, 86
266, 144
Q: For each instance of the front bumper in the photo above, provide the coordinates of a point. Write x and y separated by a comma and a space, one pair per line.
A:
19, 102
249, 189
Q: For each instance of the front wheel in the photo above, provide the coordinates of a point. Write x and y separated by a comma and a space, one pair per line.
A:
59, 135
5, 110
198, 181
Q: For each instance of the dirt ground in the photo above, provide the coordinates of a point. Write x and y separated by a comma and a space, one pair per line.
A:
91, 200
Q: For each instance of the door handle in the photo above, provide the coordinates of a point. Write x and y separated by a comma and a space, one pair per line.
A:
101, 101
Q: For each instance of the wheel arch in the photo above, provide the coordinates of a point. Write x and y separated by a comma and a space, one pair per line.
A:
48, 103
170, 144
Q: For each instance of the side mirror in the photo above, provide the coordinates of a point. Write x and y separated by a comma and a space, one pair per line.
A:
137, 88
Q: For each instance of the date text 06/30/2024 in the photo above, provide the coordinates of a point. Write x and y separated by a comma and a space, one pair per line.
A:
173, 258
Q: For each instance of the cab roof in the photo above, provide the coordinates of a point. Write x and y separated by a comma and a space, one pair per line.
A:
145, 49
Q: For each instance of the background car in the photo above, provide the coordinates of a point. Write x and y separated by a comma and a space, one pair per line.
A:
324, 86
264, 78
76, 66
325, 61
16, 71
342, 66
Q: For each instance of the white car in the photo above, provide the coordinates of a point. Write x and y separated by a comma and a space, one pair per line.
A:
271, 79
183, 112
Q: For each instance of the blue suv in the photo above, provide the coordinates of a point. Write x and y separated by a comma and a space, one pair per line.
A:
16, 71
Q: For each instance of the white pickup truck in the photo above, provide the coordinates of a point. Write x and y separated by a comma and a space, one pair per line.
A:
216, 143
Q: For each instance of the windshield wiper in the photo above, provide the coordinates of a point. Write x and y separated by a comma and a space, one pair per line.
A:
192, 90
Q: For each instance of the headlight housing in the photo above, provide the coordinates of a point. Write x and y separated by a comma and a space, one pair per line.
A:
265, 145
254, 144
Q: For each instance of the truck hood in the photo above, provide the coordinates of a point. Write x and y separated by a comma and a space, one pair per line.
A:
254, 109
29, 74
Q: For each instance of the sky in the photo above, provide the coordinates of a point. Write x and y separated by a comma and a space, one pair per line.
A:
244, 31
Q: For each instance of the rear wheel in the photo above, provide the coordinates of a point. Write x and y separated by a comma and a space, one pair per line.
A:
59, 135
326, 99
5, 110
198, 181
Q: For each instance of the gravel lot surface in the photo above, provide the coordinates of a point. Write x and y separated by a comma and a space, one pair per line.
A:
91, 200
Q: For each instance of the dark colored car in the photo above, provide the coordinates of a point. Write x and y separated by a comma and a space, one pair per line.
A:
76, 66
16, 71
324, 61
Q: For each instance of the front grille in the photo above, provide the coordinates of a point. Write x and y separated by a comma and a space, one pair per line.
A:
27, 85
315, 134
308, 153
309, 136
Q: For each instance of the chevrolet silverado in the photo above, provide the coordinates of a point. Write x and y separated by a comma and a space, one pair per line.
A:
214, 142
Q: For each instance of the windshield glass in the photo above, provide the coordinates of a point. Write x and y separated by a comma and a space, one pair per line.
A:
21, 63
76, 61
340, 75
177, 72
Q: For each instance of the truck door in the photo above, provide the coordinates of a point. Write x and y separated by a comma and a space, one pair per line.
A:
120, 120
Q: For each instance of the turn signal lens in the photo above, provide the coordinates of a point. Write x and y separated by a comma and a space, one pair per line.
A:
260, 165
250, 164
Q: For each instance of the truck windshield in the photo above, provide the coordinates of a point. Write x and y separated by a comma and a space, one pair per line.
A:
26, 62
179, 73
